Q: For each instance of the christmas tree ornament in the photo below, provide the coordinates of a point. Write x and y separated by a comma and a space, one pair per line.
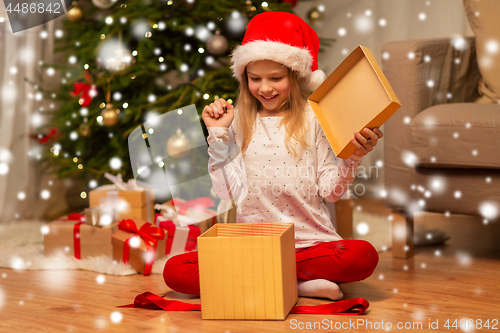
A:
250, 9
84, 129
236, 23
114, 56
110, 115
53, 135
314, 15
75, 14
178, 145
87, 90
217, 44
103, 4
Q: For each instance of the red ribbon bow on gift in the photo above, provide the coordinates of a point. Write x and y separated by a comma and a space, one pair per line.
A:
200, 204
149, 233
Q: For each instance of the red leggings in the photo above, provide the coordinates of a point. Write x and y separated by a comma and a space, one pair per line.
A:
340, 261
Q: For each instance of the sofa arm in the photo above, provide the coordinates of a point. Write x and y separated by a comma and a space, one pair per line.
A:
422, 73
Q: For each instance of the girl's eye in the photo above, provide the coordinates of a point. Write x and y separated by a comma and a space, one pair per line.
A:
277, 78
254, 79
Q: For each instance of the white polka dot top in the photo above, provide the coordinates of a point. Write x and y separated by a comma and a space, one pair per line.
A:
270, 185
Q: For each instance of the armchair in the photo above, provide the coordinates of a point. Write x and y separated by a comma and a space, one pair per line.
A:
441, 147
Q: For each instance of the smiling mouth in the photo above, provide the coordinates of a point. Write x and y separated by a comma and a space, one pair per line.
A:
268, 98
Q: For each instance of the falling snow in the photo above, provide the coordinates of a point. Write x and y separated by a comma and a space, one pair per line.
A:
115, 163
45, 194
489, 210
116, 317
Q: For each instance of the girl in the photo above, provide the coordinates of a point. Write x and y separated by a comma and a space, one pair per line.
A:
286, 164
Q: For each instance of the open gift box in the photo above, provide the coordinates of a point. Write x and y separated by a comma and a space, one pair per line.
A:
247, 271
354, 96
70, 236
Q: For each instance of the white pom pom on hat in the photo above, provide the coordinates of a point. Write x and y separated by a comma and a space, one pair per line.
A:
282, 37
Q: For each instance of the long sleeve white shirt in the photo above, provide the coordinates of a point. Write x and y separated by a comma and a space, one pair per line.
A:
269, 185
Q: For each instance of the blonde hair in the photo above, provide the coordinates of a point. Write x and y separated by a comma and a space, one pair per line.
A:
294, 115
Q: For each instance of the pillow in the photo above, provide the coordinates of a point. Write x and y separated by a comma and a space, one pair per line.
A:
484, 19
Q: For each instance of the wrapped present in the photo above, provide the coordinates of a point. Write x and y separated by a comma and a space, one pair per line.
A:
139, 243
128, 199
99, 216
185, 224
70, 236
179, 239
247, 271
190, 212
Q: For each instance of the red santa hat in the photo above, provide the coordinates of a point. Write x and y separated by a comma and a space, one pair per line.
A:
284, 38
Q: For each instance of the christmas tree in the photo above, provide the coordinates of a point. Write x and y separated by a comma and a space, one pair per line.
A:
127, 62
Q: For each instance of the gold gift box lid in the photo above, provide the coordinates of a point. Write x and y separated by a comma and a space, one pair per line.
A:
354, 96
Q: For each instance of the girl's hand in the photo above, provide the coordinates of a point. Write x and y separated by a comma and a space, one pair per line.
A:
363, 145
218, 114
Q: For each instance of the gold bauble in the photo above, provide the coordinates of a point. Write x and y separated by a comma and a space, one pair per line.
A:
178, 145
84, 129
314, 15
110, 115
75, 14
217, 45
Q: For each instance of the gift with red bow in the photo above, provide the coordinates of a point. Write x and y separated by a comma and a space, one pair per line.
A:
139, 243
192, 212
70, 236
184, 221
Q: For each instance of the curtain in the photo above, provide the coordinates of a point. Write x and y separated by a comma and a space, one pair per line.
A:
26, 192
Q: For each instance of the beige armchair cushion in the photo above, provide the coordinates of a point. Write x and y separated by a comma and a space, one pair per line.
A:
484, 19
458, 135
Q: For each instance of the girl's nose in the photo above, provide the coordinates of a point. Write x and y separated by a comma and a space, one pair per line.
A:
266, 87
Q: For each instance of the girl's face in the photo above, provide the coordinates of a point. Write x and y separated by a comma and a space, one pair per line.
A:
268, 81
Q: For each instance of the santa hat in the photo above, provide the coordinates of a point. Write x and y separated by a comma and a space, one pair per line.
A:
284, 38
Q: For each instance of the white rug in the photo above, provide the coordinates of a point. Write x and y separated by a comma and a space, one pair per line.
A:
21, 247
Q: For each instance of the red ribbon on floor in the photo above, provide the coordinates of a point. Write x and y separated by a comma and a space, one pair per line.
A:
149, 233
76, 232
353, 306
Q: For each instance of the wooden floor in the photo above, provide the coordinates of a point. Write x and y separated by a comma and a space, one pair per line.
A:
456, 281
